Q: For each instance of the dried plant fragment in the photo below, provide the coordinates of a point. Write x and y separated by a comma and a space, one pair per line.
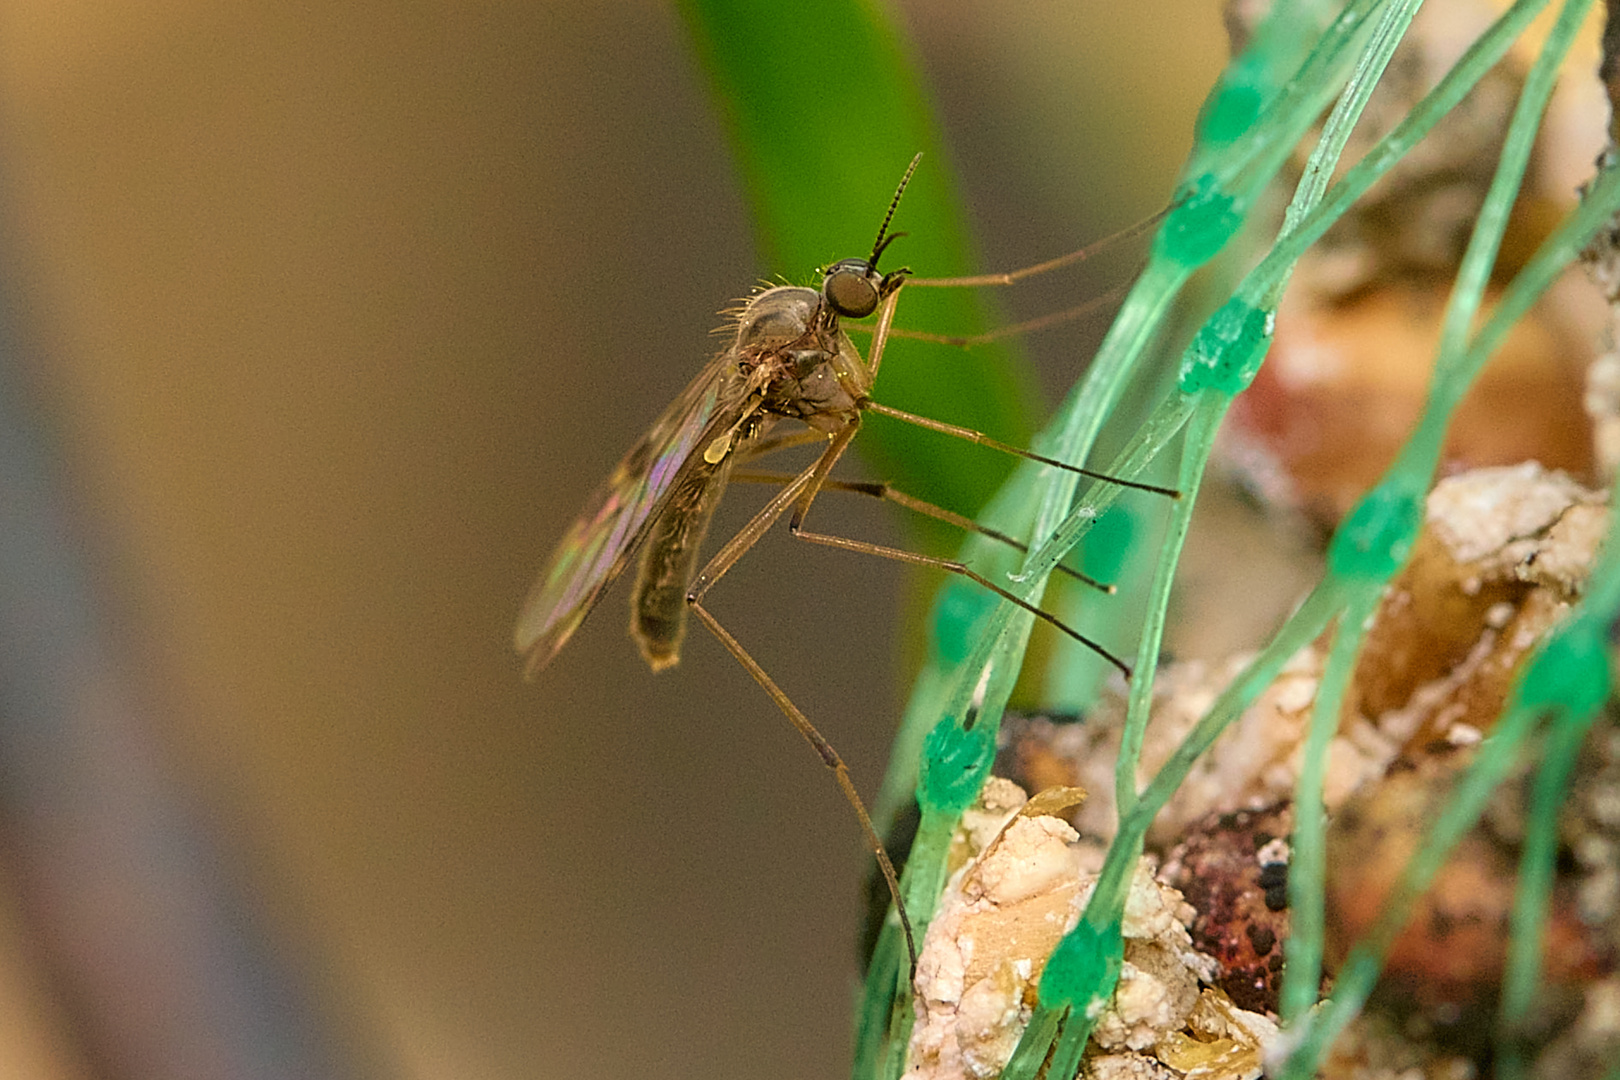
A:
1233, 870
1502, 555
1021, 889
1447, 964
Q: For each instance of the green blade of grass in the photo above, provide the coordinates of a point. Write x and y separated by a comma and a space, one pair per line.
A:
825, 109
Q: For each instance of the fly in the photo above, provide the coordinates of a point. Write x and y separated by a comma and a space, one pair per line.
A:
789, 360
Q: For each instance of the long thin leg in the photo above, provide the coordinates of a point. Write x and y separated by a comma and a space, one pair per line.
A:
748, 536
817, 474
1061, 261
798, 488
1056, 318
880, 329
954, 567
801, 489
996, 444
829, 757
928, 509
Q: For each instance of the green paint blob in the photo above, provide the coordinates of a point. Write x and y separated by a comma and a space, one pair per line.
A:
1227, 351
1083, 968
1231, 108
955, 763
959, 613
1570, 671
1375, 540
1200, 225
1108, 542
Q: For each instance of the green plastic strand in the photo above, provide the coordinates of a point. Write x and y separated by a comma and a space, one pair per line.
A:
1121, 550
1371, 547
1243, 331
959, 633
1302, 627
999, 649
1532, 895
1149, 439
1029, 1057
1307, 863
1601, 202
1206, 420
1253, 78
1342, 120
885, 1018
1374, 543
1290, 115
1581, 699
883, 1002
1452, 376
1479, 58
1355, 978
1567, 674
1297, 106
1108, 898
1088, 406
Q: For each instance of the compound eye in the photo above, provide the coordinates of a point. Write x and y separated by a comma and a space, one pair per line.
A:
851, 287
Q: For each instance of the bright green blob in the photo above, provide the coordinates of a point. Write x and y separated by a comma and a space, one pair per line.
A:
1108, 542
1231, 108
1083, 968
955, 763
959, 613
1571, 671
1199, 226
1227, 351
1375, 540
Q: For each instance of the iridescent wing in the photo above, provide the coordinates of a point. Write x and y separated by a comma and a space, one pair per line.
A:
620, 513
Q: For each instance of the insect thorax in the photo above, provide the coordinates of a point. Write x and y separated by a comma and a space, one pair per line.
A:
811, 371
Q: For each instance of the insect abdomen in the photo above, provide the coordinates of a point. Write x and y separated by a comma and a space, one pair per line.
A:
658, 604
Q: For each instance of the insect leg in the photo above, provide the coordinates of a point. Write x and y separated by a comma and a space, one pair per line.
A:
968, 341
880, 330
1073, 257
1007, 448
829, 757
770, 444
747, 536
889, 493
952, 566
800, 488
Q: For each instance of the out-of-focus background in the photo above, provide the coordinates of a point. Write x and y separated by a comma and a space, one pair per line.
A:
331, 316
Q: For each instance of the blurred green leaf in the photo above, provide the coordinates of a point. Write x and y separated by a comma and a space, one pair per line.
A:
825, 109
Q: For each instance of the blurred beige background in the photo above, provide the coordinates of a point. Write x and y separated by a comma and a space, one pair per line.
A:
343, 309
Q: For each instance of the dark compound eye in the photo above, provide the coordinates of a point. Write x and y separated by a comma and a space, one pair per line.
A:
851, 288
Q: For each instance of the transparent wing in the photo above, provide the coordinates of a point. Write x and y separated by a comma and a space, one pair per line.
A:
620, 512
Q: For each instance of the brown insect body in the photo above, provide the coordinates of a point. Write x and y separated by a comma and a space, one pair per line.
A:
795, 362
658, 604
789, 359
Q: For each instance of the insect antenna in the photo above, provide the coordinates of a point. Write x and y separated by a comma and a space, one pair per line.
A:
883, 237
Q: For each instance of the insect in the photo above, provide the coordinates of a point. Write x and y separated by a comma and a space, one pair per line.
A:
790, 359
